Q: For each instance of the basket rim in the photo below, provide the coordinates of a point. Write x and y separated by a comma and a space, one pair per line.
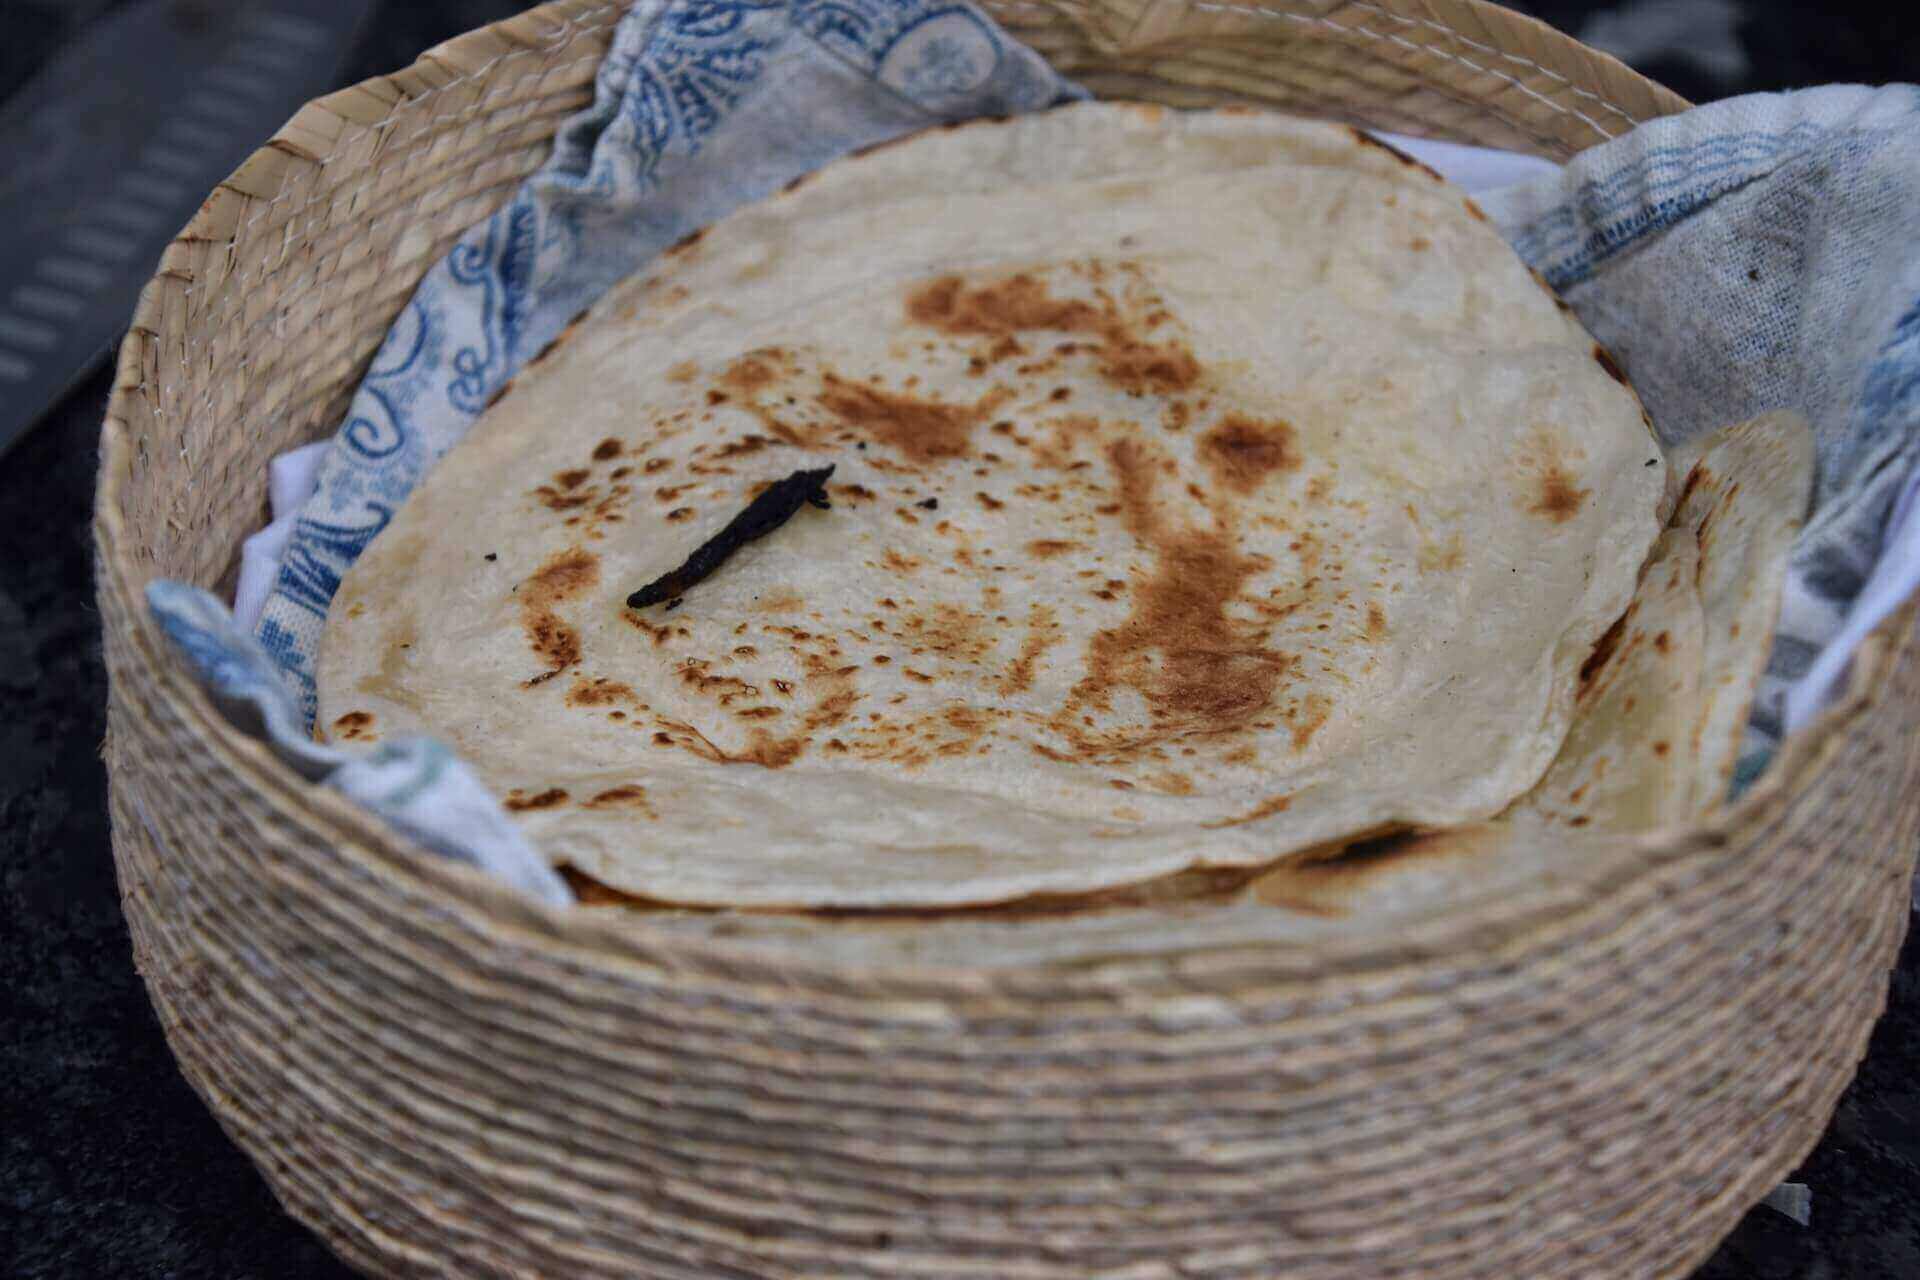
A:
502, 916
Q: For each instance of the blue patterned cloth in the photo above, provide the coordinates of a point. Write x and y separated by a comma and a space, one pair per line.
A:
700, 106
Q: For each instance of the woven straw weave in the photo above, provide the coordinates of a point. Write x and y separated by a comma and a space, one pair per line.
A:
443, 1080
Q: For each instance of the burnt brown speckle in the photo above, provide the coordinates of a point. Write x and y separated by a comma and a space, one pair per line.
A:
998, 309
1603, 651
743, 447
553, 345
1243, 452
563, 577
1552, 486
1558, 499
1201, 672
752, 372
599, 692
631, 796
1265, 809
920, 428
354, 726
520, 802
685, 244
1605, 359
1043, 632
1305, 720
1366, 139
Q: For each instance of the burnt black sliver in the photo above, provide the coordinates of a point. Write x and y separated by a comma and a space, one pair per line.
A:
763, 515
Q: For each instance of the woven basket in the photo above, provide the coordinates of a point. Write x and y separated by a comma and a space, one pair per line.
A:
442, 1079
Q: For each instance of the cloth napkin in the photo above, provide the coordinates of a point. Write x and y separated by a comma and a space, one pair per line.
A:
1759, 253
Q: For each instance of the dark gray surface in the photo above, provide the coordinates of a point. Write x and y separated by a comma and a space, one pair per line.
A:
109, 1165
133, 123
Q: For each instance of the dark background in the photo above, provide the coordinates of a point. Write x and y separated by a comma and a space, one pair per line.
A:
109, 1165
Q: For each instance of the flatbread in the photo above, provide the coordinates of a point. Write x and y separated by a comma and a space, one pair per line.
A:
1392, 889
1745, 500
1207, 486
1629, 760
1647, 749
1665, 698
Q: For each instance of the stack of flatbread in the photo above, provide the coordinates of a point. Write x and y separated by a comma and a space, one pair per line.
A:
1219, 513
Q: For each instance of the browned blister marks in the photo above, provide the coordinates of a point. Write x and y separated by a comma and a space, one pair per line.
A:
1242, 453
563, 577
913, 741
1609, 650
1043, 632
600, 692
587, 504
921, 428
1606, 361
1366, 139
1201, 672
1126, 351
764, 382
1551, 484
695, 675
1138, 367
1265, 809
746, 446
518, 801
630, 796
354, 726
1559, 498
1305, 718
752, 372
948, 632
